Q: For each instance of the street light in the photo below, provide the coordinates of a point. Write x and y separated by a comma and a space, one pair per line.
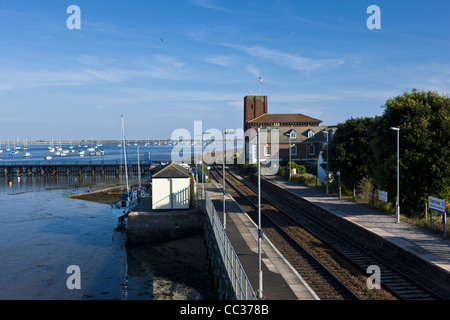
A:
223, 174
260, 274
203, 175
290, 148
328, 151
397, 204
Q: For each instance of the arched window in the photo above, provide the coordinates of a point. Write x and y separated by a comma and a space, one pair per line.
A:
294, 150
312, 149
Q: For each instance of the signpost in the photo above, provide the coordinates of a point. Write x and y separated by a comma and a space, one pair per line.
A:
438, 205
339, 182
383, 196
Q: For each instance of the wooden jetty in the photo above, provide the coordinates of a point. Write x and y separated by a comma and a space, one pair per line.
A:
47, 168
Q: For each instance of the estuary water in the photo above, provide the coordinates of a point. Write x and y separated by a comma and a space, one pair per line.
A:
43, 233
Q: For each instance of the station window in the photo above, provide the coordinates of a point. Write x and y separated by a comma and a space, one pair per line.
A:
294, 150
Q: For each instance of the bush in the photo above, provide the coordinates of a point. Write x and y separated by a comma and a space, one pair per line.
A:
300, 169
364, 190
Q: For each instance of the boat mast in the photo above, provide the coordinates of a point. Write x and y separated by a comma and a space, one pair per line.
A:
139, 169
125, 156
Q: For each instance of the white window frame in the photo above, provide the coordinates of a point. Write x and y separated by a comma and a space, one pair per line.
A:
294, 150
313, 149
293, 134
310, 133
266, 150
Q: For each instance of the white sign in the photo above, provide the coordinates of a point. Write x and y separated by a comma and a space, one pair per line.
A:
382, 195
436, 204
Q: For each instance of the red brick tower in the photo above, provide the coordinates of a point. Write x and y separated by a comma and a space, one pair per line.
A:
254, 106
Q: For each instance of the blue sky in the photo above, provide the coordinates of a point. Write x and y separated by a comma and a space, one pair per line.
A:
165, 64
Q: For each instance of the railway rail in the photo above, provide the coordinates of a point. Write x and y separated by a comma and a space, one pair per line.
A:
284, 222
321, 280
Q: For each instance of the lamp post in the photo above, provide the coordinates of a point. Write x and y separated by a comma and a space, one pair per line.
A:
260, 281
290, 150
397, 201
223, 175
203, 182
328, 151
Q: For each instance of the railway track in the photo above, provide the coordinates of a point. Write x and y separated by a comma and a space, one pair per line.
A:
321, 280
337, 255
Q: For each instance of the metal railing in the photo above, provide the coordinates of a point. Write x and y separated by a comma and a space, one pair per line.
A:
239, 280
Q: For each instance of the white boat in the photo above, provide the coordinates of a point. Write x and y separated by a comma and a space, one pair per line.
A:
127, 201
27, 155
25, 147
48, 158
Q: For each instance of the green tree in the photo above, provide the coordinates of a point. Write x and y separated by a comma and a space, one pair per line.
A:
350, 150
424, 122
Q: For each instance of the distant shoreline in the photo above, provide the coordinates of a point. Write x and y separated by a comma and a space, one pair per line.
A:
55, 142
81, 141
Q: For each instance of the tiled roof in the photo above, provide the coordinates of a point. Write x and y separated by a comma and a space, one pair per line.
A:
302, 134
173, 170
284, 118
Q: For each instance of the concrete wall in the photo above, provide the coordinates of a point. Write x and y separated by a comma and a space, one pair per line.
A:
163, 226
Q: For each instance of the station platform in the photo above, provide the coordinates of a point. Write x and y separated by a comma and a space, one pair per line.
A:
421, 242
280, 280
431, 248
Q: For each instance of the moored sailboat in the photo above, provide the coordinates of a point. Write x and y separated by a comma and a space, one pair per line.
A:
127, 201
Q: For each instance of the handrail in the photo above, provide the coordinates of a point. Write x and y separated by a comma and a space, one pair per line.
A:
239, 280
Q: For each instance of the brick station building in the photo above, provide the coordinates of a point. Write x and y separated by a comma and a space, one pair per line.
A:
305, 134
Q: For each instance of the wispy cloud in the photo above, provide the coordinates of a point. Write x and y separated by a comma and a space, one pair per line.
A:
253, 70
208, 4
93, 70
289, 60
224, 61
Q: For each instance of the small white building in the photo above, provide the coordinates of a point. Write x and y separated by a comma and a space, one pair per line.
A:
170, 188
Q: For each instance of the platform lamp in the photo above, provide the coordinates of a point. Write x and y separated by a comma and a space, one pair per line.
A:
203, 182
290, 150
397, 201
223, 175
328, 151
260, 273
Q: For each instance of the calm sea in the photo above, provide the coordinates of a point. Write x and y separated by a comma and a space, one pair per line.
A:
42, 233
